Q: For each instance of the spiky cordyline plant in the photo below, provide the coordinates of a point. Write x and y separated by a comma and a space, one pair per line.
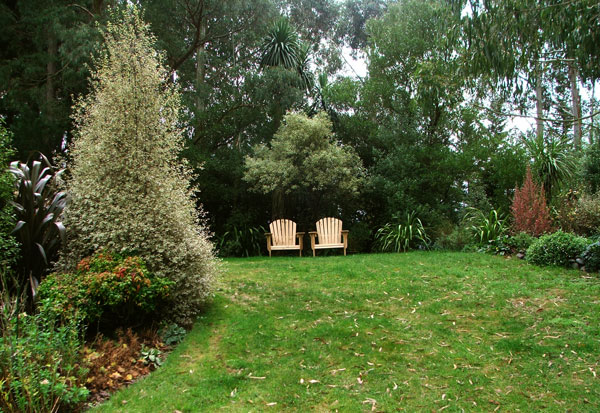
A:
281, 46
38, 208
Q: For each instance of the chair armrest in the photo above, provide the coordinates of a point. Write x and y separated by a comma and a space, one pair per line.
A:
300, 233
312, 233
345, 233
267, 234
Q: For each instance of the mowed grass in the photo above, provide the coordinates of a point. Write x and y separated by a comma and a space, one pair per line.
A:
385, 332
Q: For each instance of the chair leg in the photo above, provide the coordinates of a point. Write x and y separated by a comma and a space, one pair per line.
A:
344, 251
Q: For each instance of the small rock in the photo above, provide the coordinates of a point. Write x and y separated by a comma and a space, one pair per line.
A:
582, 268
580, 261
575, 266
520, 255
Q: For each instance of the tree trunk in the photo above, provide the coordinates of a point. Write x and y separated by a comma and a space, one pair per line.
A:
576, 106
539, 103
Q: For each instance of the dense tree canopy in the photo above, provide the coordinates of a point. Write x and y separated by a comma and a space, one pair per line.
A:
433, 123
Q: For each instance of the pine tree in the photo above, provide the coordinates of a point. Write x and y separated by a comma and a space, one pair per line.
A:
129, 191
529, 208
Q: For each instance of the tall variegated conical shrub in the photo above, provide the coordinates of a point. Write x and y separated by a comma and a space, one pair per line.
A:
129, 190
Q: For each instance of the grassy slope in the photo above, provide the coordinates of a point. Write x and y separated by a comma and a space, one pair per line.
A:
417, 331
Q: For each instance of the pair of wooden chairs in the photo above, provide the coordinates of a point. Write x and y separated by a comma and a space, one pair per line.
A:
329, 234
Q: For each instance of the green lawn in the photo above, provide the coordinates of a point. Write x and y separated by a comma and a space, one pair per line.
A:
392, 332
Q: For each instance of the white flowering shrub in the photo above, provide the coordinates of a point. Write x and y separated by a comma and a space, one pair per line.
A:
129, 190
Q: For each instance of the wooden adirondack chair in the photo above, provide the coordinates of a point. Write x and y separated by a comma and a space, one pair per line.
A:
282, 236
329, 234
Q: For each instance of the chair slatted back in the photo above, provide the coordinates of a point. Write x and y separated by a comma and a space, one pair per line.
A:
329, 230
284, 232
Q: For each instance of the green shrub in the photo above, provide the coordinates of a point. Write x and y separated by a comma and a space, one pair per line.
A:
457, 240
556, 249
171, 333
108, 289
591, 257
40, 361
241, 241
591, 167
403, 236
519, 242
8, 244
586, 216
360, 237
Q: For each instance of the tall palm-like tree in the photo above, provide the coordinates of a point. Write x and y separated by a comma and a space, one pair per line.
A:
282, 49
552, 161
281, 46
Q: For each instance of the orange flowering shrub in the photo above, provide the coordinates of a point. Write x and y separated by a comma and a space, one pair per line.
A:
107, 288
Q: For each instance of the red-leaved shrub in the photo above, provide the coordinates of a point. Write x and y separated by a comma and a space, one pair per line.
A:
529, 208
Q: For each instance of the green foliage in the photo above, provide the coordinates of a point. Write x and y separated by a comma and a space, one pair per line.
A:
556, 249
38, 208
360, 237
171, 333
459, 238
407, 235
152, 356
553, 162
129, 190
45, 61
581, 216
281, 46
591, 167
485, 228
244, 241
591, 257
108, 289
40, 364
519, 242
8, 243
304, 162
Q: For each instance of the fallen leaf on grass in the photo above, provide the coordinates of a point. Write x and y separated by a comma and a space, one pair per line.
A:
271, 404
